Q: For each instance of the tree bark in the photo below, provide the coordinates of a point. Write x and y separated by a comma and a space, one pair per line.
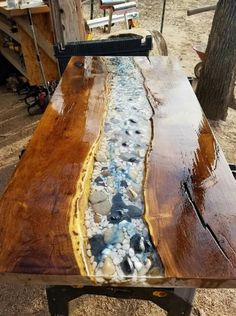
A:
216, 84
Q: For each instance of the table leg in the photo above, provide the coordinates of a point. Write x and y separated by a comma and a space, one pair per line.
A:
177, 302
57, 301
184, 309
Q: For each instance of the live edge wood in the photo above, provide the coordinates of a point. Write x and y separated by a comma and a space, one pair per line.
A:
37, 206
189, 190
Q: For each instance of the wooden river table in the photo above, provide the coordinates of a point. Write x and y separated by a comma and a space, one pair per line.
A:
188, 191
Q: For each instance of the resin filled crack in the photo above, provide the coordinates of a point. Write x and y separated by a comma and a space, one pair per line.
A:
119, 245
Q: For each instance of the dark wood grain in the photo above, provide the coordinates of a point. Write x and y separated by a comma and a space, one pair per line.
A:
190, 191
37, 206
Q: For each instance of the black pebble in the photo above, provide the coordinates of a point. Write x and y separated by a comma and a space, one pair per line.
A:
156, 261
127, 266
115, 217
148, 246
97, 245
137, 132
118, 216
137, 243
99, 181
127, 133
124, 144
117, 202
132, 121
124, 184
134, 211
133, 160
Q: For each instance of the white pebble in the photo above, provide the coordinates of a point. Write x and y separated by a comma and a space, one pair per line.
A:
116, 260
88, 246
89, 253
126, 246
145, 268
106, 252
89, 233
138, 265
121, 252
131, 252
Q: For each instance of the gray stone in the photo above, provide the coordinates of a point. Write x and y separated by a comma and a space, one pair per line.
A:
102, 208
134, 211
97, 196
155, 272
105, 172
101, 157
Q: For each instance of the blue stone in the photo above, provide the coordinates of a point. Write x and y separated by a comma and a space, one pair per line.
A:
131, 230
113, 235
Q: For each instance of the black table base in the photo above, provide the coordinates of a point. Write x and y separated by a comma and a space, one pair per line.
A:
175, 301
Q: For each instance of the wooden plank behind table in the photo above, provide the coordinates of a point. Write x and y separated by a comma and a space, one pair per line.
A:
36, 207
20, 12
190, 191
42, 24
72, 20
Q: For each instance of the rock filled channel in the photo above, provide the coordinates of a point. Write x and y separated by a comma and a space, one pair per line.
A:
119, 245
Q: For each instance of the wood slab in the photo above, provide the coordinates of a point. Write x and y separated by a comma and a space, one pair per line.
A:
190, 200
190, 190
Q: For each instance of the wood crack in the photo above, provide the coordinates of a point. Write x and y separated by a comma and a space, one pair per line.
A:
205, 225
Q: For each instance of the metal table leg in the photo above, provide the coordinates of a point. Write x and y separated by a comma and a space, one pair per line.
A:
177, 302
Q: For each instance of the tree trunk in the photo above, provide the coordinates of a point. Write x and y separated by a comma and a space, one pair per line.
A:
216, 84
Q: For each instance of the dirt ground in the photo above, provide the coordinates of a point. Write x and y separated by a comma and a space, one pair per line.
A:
16, 128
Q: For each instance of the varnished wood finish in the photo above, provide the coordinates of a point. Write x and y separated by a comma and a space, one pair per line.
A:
36, 207
190, 191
